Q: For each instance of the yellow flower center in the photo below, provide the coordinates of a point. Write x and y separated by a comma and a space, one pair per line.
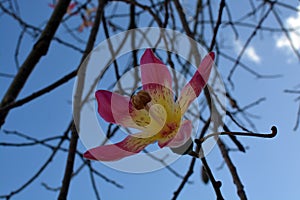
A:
165, 115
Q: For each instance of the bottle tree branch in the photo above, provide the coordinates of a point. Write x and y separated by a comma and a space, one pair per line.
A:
39, 49
74, 139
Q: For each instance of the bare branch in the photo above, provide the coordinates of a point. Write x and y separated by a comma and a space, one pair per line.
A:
40, 49
185, 179
232, 168
40, 171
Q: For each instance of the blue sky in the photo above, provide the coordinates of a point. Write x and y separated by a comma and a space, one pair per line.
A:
269, 169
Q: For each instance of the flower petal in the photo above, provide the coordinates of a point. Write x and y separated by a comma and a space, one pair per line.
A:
181, 137
192, 90
153, 70
117, 109
72, 5
131, 145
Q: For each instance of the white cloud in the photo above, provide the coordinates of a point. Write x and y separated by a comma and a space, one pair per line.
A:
249, 53
282, 41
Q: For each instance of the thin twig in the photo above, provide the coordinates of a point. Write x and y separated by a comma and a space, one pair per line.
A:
185, 179
42, 168
40, 92
94, 185
297, 120
263, 18
69, 166
219, 21
166, 165
92, 169
233, 171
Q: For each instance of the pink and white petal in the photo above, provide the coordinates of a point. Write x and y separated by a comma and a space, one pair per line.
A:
71, 7
117, 109
153, 70
194, 87
206, 65
181, 137
106, 153
187, 96
131, 145
109, 102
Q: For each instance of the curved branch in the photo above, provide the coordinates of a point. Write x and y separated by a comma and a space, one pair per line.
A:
261, 135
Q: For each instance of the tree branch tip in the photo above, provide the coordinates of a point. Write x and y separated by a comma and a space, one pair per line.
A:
219, 184
274, 131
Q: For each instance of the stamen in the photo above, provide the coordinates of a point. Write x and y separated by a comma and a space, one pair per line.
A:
140, 100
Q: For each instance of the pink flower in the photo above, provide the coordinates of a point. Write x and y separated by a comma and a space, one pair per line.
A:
87, 18
86, 22
152, 110
90, 11
70, 7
